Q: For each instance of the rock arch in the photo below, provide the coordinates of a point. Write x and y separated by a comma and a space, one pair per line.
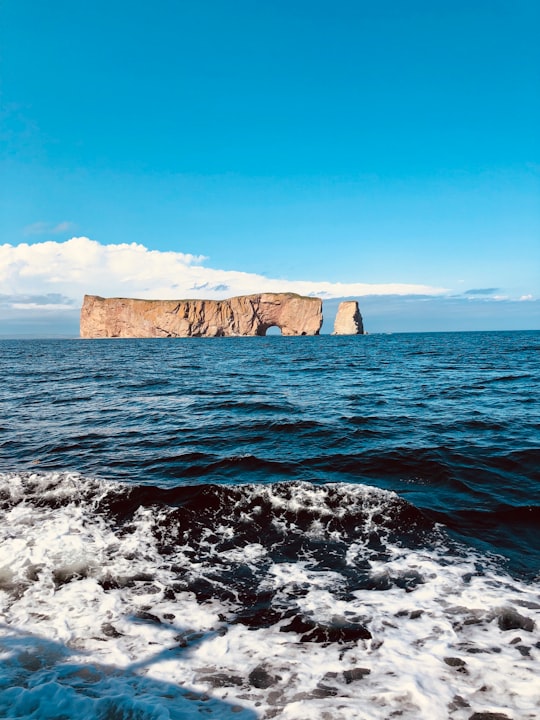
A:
242, 315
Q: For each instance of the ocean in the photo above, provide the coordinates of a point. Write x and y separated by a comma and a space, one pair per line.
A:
322, 528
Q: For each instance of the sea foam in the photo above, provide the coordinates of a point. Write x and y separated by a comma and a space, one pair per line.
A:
296, 601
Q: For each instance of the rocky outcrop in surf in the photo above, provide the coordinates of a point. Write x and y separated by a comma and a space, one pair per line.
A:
348, 319
242, 315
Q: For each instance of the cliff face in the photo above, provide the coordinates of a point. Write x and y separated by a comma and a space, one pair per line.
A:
243, 315
348, 319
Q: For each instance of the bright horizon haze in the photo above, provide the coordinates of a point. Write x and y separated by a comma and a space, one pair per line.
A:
384, 151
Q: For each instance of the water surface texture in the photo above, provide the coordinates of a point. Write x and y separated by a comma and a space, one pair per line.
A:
326, 527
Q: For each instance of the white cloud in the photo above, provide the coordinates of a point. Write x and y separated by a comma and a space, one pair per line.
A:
525, 298
47, 307
46, 228
81, 265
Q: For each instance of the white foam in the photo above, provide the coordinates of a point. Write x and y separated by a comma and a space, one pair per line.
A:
72, 648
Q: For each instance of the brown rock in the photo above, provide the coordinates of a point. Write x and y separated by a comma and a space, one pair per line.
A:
243, 315
348, 319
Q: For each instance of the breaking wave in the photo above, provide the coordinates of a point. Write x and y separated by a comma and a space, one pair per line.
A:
251, 601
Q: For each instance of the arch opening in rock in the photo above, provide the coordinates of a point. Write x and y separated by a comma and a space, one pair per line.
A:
273, 330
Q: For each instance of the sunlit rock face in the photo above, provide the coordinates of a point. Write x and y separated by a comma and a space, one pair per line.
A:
348, 319
243, 315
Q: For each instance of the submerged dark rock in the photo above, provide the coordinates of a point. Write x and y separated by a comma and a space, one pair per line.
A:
510, 619
219, 680
457, 703
354, 674
259, 677
323, 691
457, 663
147, 617
110, 631
317, 632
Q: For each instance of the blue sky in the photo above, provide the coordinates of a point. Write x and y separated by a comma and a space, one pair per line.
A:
372, 149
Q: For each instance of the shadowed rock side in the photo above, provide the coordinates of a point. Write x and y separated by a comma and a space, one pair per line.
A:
348, 319
243, 315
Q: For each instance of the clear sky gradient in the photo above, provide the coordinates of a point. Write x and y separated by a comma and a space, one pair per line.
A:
393, 144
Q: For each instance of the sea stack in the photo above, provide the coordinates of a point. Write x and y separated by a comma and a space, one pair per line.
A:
348, 319
243, 315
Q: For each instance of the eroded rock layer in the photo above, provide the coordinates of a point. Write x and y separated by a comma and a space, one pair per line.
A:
348, 319
243, 315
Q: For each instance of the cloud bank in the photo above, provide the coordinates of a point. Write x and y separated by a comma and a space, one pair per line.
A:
42, 287
58, 274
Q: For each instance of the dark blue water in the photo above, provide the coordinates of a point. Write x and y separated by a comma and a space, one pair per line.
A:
450, 421
333, 528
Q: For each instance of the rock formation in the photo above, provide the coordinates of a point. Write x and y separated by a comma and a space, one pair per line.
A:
348, 319
243, 315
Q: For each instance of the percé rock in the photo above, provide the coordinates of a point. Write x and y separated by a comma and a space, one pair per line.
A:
348, 319
243, 315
